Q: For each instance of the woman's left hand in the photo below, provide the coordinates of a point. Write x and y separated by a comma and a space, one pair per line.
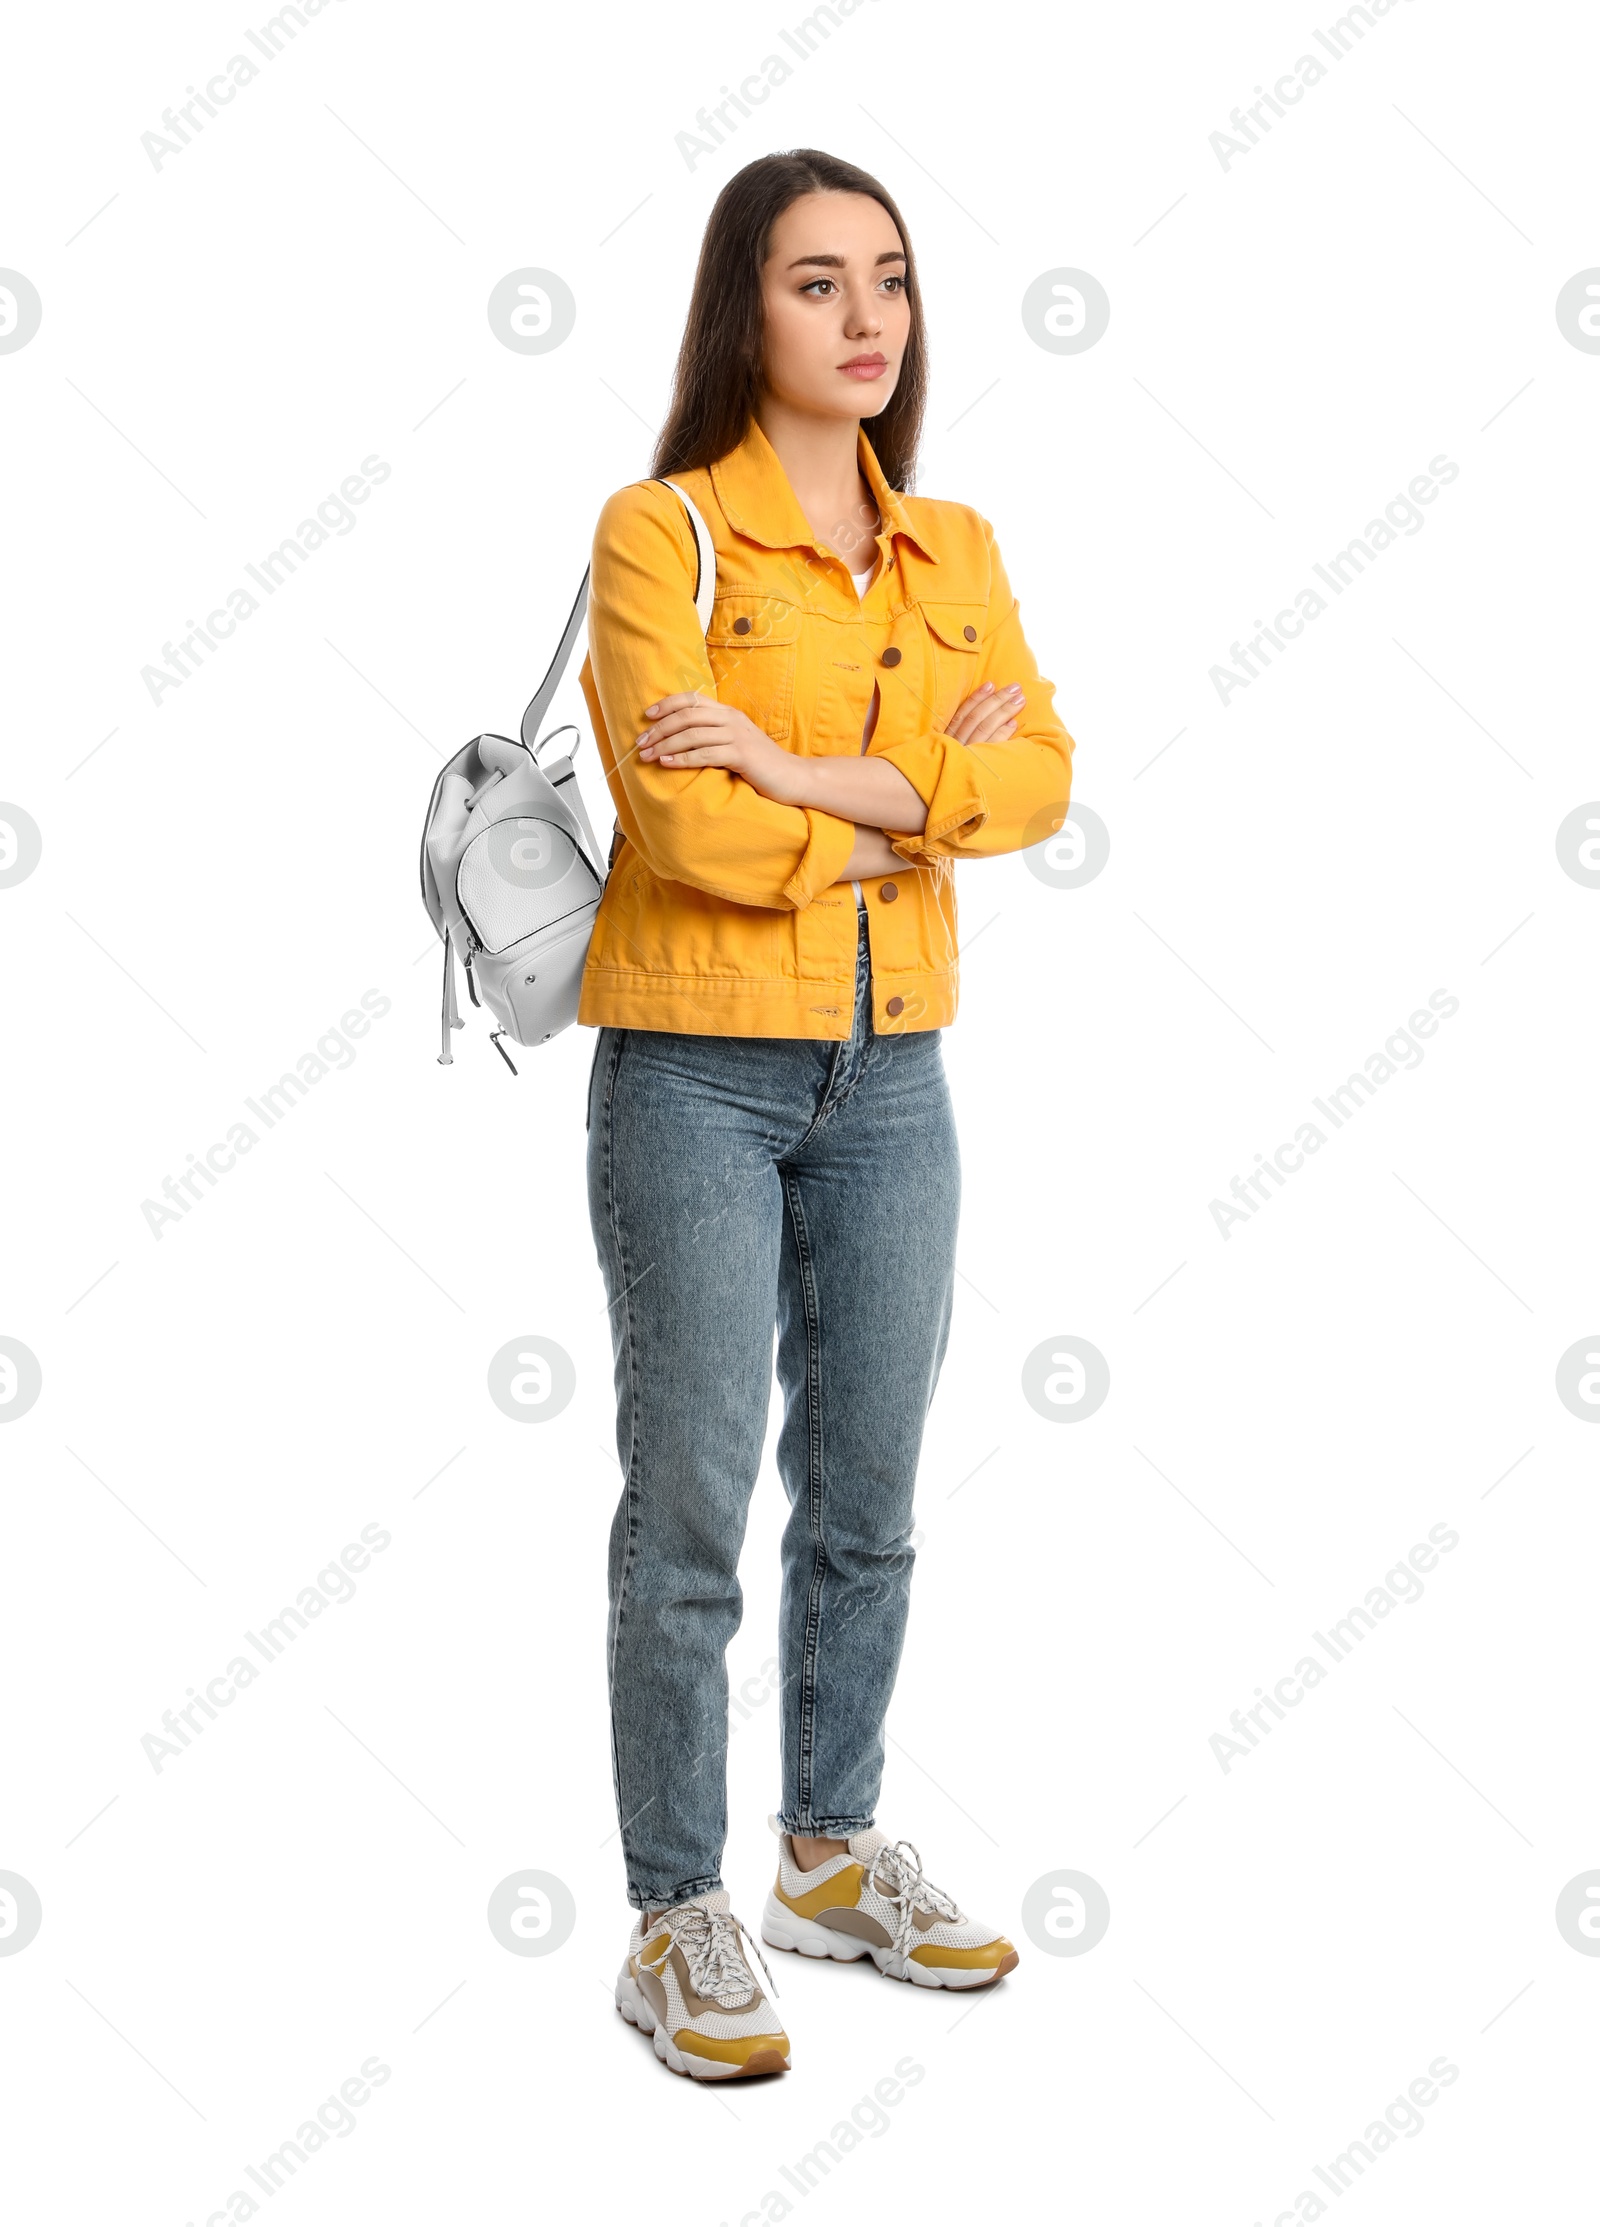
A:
690, 731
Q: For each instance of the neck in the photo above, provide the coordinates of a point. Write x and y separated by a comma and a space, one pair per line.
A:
818, 455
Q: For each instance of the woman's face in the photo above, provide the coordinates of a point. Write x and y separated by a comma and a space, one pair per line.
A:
837, 315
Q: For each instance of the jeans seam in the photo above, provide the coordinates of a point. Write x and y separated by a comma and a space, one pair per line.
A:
630, 1347
588, 1095
806, 1739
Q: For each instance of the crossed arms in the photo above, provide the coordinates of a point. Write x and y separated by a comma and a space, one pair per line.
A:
695, 730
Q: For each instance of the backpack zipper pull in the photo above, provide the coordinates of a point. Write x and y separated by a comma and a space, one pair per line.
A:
500, 1048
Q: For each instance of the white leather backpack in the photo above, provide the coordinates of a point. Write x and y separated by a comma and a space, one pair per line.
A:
511, 871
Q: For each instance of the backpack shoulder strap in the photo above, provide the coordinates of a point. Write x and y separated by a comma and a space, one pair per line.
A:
544, 695
705, 577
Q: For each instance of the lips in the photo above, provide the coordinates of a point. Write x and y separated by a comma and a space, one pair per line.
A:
865, 367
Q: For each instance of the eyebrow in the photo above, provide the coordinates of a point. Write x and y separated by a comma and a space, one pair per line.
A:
836, 262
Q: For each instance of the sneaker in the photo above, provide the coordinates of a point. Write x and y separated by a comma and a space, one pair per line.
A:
873, 1901
686, 1983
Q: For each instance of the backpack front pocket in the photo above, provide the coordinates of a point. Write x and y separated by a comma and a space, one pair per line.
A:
519, 877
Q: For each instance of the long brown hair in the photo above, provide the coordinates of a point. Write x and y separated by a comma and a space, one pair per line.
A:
718, 379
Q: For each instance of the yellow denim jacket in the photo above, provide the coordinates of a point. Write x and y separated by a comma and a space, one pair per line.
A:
723, 914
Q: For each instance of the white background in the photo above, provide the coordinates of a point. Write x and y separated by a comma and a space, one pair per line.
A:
305, 1353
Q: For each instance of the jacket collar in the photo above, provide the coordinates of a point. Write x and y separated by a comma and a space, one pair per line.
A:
758, 501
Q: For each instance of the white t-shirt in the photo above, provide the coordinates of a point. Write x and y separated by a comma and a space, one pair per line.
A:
863, 581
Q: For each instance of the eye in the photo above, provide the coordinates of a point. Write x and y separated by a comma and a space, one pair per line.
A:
897, 281
812, 283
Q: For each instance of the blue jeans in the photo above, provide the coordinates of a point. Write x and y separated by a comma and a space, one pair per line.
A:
737, 1184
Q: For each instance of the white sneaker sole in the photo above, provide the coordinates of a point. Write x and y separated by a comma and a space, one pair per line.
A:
631, 2003
783, 1928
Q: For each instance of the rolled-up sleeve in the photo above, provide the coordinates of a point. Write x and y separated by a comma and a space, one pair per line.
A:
987, 798
702, 825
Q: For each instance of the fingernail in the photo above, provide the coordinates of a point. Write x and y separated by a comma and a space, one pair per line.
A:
650, 710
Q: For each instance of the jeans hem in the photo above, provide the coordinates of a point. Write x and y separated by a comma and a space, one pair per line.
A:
672, 1896
826, 1828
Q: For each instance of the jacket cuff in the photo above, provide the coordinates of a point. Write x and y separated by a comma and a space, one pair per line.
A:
823, 860
944, 774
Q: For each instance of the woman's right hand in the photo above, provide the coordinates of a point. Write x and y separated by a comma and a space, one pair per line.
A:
988, 715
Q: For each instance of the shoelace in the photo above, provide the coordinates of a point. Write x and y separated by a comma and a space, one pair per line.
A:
717, 1964
896, 1873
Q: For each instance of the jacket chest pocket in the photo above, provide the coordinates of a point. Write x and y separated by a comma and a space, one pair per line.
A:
955, 644
753, 644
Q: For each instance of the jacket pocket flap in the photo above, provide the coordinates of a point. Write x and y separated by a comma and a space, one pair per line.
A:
746, 619
958, 625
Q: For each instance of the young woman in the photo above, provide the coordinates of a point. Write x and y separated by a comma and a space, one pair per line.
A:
770, 1136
